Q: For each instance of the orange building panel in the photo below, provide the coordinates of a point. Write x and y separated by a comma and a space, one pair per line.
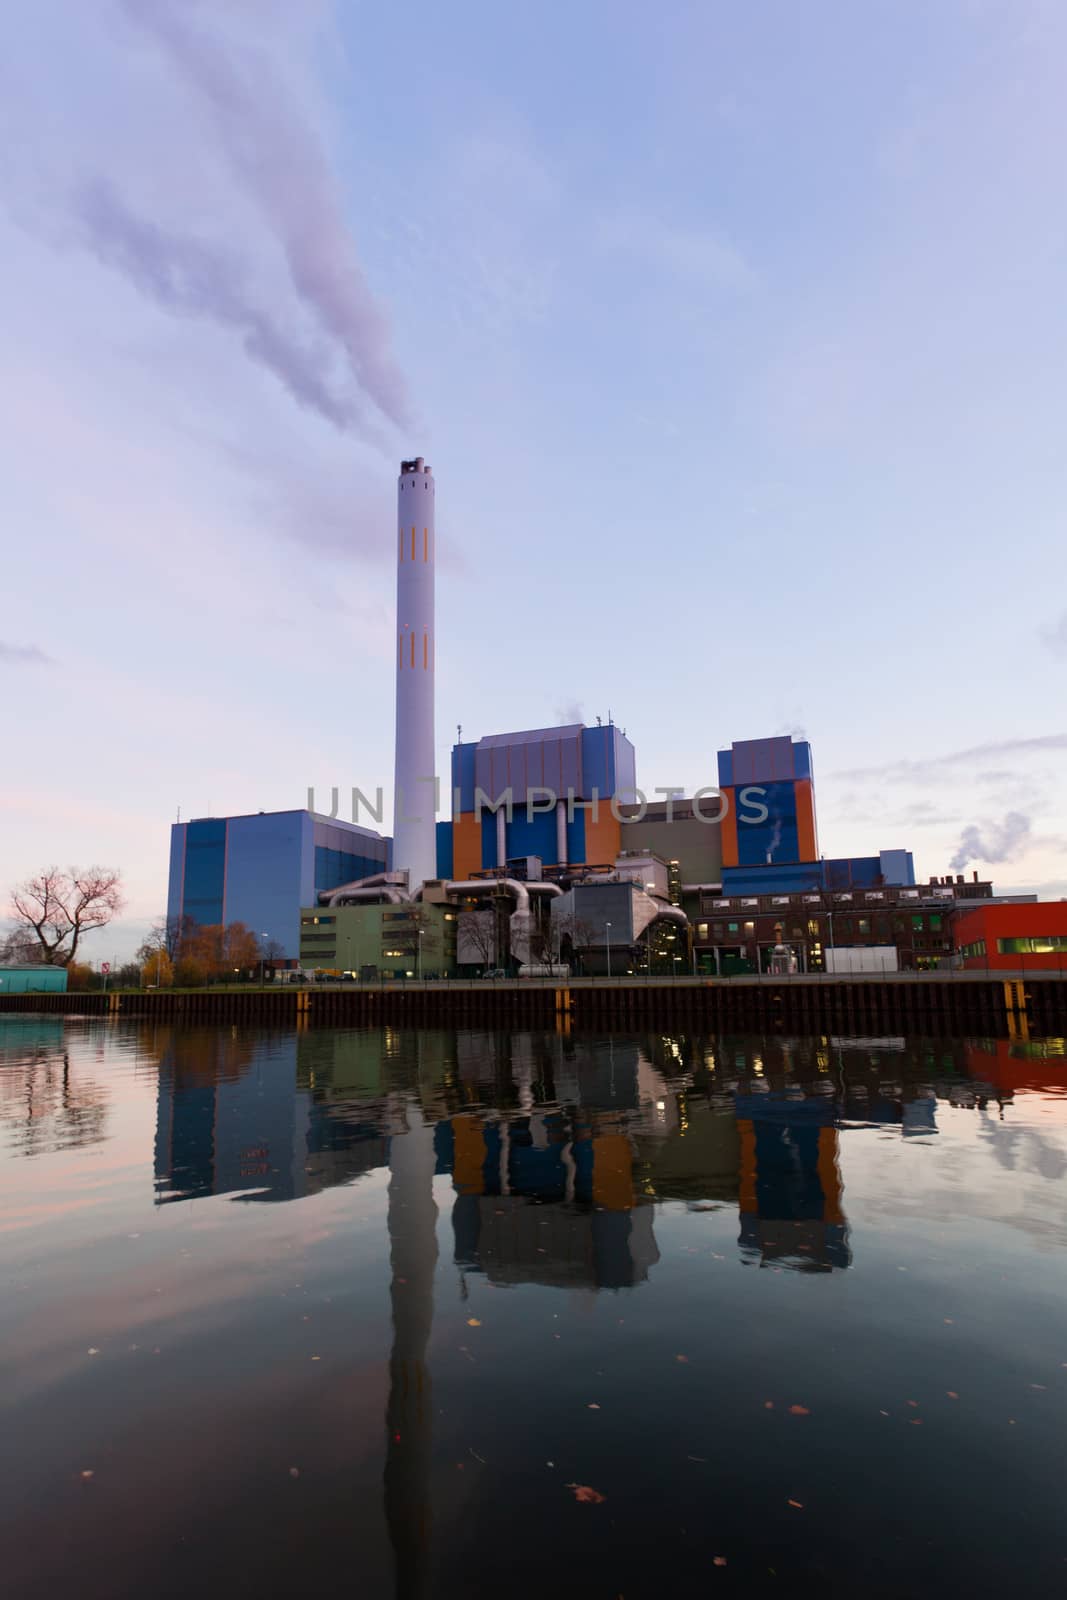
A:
466, 845
603, 838
807, 837
728, 828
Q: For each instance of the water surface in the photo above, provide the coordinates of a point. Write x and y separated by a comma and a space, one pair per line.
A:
446, 1313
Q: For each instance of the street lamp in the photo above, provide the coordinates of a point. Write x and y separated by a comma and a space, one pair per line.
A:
263, 960
607, 926
419, 931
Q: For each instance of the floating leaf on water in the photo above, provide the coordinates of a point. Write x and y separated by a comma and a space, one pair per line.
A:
797, 1504
585, 1495
87, 1472
294, 1472
592, 1406
952, 1394
718, 1561
473, 1322
92, 1351
681, 1358
799, 1411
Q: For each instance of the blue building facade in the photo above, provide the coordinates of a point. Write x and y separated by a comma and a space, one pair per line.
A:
260, 869
589, 763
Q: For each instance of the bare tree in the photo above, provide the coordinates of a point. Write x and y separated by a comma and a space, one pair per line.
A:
477, 939
54, 910
18, 949
576, 936
169, 934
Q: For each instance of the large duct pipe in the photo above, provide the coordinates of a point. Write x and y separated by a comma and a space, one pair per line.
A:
519, 922
415, 789
561, 833
348, 897
501, 838
391, 880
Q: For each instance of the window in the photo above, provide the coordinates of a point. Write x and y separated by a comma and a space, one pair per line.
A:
874, 894
863, 927
917, 922
780, 900
813, 928
750, 928
702, 930
1039, 944
935, 922
909, 894
754, 901
733, 927
842, 897
813, 899
317, 922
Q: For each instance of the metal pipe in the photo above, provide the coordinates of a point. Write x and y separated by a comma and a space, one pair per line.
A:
501, 838
347, 897
561, 833
391, 880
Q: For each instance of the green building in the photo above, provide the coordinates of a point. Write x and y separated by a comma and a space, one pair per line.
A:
33, 980
372, 941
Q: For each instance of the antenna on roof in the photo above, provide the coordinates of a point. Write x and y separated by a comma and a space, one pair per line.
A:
599, 722
459, 733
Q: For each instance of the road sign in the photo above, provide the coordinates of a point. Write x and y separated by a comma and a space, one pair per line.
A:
105, 966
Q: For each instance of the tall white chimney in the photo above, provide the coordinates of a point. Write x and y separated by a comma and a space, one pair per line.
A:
414, 789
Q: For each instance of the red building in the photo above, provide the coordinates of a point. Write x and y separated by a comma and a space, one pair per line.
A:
1005, 937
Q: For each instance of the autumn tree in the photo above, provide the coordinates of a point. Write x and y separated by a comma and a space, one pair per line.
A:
219, 950
53, 911
157, 969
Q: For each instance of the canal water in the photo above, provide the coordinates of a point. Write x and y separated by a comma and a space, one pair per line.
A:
439, 1313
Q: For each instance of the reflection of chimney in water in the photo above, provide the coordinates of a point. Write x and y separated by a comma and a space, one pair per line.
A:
412, 1222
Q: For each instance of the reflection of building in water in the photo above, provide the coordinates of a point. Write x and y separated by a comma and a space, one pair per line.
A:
412, 1223
1009, 1065
701, 1160
547, 1198
48, 1103
266, 1120
790, 1192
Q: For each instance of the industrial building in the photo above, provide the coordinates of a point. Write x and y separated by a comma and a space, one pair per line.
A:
33, 980
550, 854
1012, 936
260, 869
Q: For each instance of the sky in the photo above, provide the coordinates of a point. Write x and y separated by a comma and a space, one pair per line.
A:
735, 338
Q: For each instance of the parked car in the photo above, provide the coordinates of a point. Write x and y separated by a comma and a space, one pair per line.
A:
495, 972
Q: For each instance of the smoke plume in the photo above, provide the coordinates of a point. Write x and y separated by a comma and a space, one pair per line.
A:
23, 655
993, 841
277, 159
188, 277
